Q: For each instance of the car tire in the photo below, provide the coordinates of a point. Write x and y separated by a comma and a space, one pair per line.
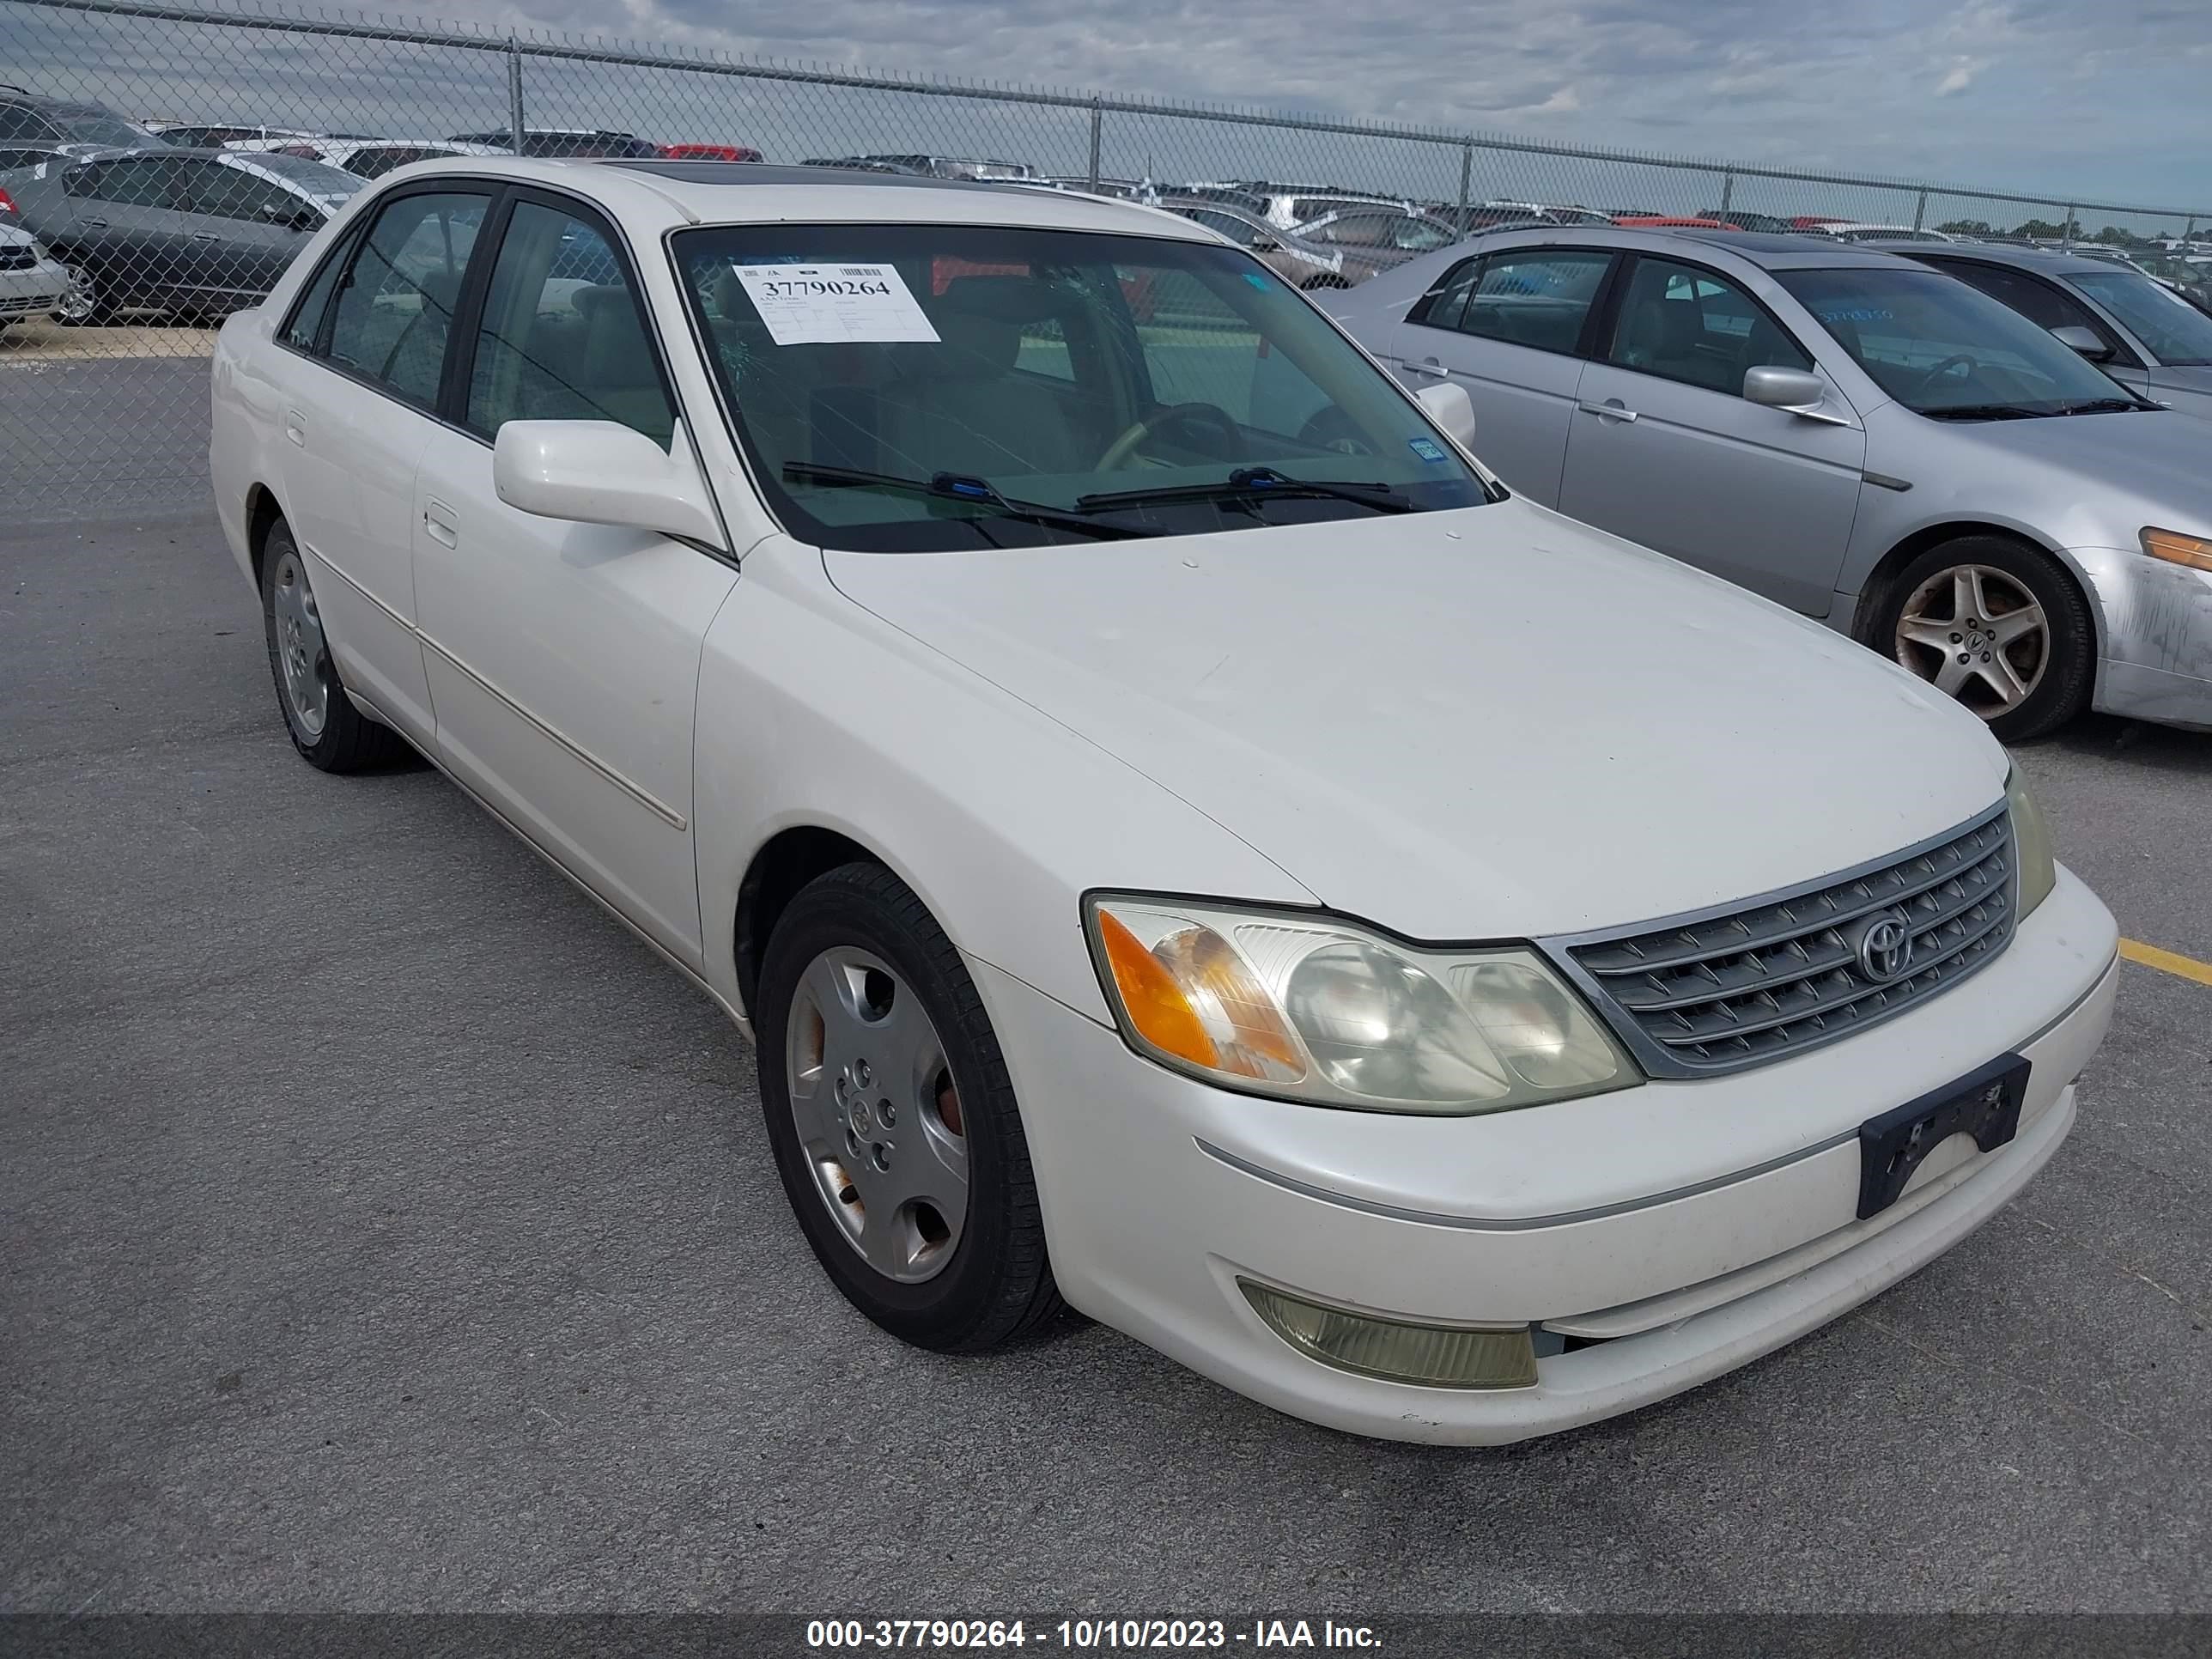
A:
85, 306
326, 728
2024, 685
864, 1004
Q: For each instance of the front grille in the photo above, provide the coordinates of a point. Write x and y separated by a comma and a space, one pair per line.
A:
1721, 992
14, 257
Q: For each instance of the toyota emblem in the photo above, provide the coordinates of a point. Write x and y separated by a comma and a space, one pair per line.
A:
1885, 947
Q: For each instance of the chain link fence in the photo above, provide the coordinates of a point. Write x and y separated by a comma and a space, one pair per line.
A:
103, 379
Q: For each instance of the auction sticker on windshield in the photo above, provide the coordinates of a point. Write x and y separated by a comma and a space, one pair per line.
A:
816, 305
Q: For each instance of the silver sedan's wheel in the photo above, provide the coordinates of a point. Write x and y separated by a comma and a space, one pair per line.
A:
878, 1114
1977, 634
299, 646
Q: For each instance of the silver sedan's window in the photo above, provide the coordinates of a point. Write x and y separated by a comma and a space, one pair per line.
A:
1064, 367
2175, 331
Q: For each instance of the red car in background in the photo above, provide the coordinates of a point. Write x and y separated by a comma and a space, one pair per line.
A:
710, 153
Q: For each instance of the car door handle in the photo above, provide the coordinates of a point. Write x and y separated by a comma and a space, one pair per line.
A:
440, 523
93, 224
205, 236
1611, 409
295, 427
1430, 367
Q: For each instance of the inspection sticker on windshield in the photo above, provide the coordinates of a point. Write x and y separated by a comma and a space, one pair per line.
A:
1425, 448
813, 304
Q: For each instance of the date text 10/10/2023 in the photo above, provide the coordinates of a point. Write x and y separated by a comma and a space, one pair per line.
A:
1084, 1635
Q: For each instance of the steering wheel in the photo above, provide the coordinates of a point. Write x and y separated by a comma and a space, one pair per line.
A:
1956, 360
1118, 453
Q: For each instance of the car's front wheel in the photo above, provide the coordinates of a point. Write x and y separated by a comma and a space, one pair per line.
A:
326, 728
83, 305
892, 1119
1996, 624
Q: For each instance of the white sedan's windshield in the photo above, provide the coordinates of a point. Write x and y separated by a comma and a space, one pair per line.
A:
907, 386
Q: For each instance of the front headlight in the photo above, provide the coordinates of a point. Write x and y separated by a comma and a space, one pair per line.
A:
1314, 1009
2031, 837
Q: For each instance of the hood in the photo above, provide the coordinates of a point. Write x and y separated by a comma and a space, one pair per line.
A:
1488, 723
2152, 458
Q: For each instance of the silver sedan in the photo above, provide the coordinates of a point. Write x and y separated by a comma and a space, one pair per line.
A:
1849, 432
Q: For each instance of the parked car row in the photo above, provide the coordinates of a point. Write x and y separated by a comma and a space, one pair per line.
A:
1436, 967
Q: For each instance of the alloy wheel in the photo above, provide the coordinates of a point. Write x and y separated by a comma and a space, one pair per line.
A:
1977, 634
299, 646
81, 298
878, 1114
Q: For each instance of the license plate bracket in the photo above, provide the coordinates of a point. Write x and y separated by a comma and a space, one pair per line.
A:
1985, 1104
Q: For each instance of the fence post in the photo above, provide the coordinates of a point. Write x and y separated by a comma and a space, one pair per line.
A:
1920, 211
1727, 190
2189, 234
514, 127
1466, 179
1098, 116
2067, 233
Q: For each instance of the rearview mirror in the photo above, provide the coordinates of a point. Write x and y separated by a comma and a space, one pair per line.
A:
1793, 389
2084, 340
597, 473
1449, 406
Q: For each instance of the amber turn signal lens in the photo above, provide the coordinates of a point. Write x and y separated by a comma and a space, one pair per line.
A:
1155, 1006
2177, 549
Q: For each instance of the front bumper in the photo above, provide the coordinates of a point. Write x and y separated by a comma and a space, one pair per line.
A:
33, 292
1681, 1228
2157, 660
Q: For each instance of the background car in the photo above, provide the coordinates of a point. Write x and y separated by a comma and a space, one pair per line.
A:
1770, 223
215, 135
2137, 330
710, 153
1665, 221
1848, 432
365, 158
1861, 233
196, 232
959, 166
566, 141
32, 283
1291, 255
1376, 239
1546, 213
26, 118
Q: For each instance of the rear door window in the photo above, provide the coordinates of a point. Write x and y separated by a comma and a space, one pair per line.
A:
395, 309
1537, 297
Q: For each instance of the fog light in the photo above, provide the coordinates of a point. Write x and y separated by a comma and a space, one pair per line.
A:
1398, 1350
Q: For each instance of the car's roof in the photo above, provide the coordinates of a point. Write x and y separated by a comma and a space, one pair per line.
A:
2051, 261
1762, 248
718, 192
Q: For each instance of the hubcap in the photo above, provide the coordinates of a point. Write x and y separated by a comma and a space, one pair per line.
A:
77, 304
300, 647
878, 1114
1977, 634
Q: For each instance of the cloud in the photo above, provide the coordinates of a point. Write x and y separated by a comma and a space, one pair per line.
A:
1961, 76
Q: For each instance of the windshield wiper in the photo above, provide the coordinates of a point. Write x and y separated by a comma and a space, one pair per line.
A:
2105, 406
959, 487
1250, 483
1987, 412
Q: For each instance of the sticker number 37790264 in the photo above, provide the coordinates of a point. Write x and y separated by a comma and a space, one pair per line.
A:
811, 305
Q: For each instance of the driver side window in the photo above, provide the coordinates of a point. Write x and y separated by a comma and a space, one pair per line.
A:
224, 192
1685, 323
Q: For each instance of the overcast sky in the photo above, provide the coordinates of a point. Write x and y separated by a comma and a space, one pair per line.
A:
2106, 96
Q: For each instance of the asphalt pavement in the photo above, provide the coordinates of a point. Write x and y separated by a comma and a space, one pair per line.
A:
384, 1228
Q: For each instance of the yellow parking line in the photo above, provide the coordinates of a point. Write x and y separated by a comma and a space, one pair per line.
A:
2167, 962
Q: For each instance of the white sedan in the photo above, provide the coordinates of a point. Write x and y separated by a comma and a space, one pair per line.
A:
1441, 970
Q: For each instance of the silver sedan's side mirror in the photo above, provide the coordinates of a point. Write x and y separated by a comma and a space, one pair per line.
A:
1793, 389
2084, 340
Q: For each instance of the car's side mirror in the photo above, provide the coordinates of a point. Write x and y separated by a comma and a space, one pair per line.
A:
2084, 340
1793, 389
1451, 408
599, 472
1264, 245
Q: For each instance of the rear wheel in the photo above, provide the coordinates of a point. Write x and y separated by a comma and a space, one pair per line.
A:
1996, 625
893, 1122
326, 728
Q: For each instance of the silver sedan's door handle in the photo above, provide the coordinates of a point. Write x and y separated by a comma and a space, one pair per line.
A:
1611, 409
1430, 367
